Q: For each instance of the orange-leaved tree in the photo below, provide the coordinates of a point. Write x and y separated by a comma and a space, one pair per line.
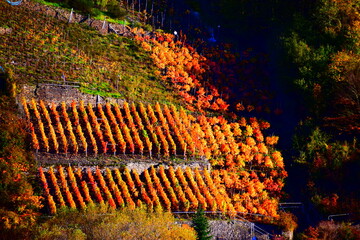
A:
18, 203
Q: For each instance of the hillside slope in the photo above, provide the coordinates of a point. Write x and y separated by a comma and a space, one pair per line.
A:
39, 48
245, 165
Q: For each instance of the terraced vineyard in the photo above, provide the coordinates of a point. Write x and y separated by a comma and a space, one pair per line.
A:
161, 130
247, 172
247, 175
166, 188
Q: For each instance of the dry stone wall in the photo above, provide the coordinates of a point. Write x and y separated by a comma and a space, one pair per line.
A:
140, 164
50, 93
231, 230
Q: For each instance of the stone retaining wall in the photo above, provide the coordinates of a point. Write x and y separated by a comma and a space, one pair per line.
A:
56, 94
138, 163
230, 230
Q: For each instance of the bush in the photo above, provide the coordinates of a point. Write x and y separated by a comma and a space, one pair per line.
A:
287, 221
115, 11
85, 6
148, 27
330, 230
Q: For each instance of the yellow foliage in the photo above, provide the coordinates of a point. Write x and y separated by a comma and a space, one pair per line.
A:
100, 223
344, 62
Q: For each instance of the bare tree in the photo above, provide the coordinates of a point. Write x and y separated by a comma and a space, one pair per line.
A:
351, 90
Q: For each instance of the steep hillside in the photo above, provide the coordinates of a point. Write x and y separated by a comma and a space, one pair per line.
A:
241, 172
39, 48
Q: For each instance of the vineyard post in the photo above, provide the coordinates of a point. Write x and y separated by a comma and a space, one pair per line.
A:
139, 8
176, 36
185, 151
97, 99
117, 82
162, 19
103, 26
70, 17
152, 8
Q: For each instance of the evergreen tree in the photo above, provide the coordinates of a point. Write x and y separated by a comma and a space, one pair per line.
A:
201, 225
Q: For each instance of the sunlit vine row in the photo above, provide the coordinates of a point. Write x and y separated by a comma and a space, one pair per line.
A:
165, 188
166, 131
146, 129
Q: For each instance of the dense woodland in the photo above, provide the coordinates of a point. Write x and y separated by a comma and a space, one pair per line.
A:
266, 95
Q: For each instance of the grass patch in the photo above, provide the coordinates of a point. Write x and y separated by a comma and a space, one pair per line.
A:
96, 13
104, 16
53, 4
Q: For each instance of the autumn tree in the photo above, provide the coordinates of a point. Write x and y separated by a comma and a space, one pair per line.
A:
325, 59
331, 231
322, 61
18, 204
331, 166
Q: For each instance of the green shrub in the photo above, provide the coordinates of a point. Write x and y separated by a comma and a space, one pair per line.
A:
115, 10
85, 6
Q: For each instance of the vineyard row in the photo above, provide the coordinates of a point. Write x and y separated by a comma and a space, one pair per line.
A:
165, 188
153, 130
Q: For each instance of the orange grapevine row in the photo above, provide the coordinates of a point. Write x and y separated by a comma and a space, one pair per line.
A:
165, 188
161, 130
